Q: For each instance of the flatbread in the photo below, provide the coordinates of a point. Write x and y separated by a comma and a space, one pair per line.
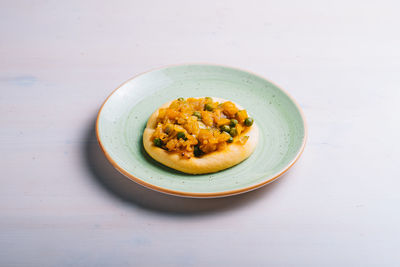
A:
212, 162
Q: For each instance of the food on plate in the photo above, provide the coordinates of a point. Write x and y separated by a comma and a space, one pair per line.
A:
200, 135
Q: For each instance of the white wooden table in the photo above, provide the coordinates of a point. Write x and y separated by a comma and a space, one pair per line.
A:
62, 204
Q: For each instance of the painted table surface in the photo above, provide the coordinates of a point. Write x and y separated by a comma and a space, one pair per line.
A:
62, 204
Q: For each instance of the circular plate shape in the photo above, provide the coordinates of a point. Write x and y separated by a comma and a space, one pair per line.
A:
124, 114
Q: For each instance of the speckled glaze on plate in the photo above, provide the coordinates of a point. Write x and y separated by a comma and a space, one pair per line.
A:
124, 114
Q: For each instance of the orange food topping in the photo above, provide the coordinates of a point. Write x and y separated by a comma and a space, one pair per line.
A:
197, 126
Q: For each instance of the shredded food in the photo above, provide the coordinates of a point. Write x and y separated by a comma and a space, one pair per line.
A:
198, 126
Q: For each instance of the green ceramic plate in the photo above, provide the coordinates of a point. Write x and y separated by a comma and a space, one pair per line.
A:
123, 117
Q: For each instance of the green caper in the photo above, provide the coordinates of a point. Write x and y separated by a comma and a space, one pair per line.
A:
248, 121
230, 140
197, 151
225, 128
181, 99
233, 132
233, 122
208, 107
181, 135
197, 114
158, 142
168, 129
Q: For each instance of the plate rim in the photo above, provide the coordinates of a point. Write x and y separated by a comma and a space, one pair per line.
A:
202, 194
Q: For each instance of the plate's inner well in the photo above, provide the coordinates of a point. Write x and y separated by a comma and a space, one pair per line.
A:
125, 114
